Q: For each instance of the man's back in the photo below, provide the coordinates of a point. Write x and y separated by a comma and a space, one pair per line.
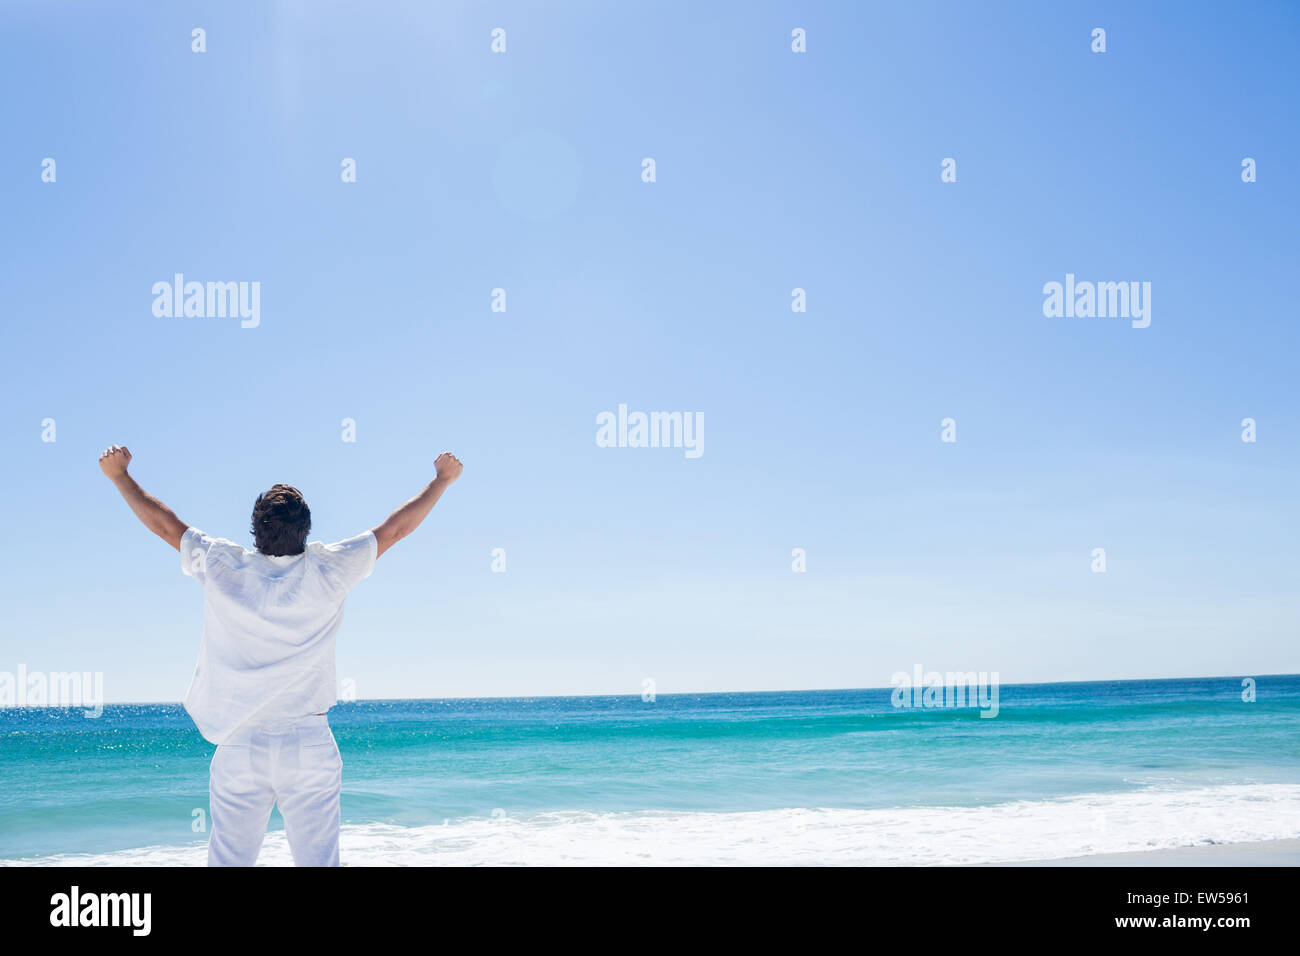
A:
269, 628
265, 676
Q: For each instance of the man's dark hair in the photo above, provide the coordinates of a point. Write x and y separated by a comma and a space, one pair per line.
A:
281, 521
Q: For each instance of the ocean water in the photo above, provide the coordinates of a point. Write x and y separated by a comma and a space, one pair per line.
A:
835, 776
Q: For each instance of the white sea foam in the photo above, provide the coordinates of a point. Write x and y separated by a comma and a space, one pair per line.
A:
1147, 819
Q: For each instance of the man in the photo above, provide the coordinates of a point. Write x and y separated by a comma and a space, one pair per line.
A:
265, 676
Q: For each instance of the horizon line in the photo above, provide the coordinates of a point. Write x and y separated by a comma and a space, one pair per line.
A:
687, 693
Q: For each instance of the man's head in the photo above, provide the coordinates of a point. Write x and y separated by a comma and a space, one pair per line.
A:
281, 521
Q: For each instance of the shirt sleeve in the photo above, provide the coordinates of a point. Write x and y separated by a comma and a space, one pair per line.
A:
349, 561
195, 546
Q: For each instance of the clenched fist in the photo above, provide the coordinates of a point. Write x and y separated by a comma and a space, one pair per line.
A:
114, 460
448, 467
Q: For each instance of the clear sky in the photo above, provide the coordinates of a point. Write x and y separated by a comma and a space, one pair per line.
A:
774, 171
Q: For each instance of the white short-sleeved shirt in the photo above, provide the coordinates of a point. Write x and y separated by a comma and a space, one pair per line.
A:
269, 625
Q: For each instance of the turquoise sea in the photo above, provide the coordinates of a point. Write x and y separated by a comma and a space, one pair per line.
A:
833, 776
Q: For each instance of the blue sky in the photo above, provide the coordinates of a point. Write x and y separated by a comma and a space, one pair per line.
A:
775, 170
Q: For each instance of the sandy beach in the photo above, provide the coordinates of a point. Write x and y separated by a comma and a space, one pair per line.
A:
1266, 853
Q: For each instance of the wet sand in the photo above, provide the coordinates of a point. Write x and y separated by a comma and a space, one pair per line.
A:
1268, 853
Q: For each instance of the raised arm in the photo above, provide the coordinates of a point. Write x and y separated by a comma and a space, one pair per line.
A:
408, 517
157, 517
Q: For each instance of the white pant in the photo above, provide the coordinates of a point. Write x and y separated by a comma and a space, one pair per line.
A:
295, 764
